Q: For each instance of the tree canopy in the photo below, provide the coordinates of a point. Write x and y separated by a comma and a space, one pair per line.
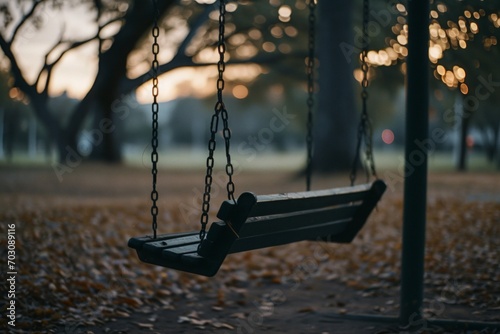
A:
120, 38
270, 35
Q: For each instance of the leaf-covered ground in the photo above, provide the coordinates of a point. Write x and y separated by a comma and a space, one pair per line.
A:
76, 274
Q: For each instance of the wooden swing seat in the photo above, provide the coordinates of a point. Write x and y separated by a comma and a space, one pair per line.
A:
334, 215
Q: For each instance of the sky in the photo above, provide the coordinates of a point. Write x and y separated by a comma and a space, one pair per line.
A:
75, 73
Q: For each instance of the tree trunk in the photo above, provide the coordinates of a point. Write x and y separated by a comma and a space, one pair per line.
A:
335, 120
103, 136
111, 72
493, 145
56, 134
462, 144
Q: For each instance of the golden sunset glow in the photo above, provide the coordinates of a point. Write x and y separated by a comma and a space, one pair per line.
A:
75, 74
180, 83
199, 82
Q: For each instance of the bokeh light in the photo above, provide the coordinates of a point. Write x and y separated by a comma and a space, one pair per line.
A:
388, 136
240, 91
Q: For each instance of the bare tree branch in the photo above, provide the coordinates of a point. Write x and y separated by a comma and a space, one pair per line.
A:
19, 80
112, 62
72, 45
48, 66
113, 20
25, 18
193, 29
128, 85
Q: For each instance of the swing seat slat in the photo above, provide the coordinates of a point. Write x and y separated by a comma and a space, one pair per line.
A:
254, 222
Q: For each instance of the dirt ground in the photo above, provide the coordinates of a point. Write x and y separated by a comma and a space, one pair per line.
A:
76, 274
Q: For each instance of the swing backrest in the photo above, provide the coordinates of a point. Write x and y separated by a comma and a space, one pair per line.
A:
334, 215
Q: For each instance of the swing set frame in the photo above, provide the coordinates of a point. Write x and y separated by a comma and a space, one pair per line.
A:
415, 191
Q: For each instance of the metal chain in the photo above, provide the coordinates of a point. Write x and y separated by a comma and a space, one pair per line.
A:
155, 107
229, 166
310, 91
368, 129
214, 123
219, 106
219, 110
365, 132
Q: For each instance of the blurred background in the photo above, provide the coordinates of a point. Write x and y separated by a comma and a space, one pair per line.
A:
75, 106
75, 82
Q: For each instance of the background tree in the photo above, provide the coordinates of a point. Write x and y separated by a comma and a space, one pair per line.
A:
335, 123
272, 34
15, 120
340, 40
464, 48
133, 19
463, 51
118, 53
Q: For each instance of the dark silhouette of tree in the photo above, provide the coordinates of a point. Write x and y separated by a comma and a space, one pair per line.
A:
111, 69
335, 121
104, 99
464, 48
463, 52
256, 33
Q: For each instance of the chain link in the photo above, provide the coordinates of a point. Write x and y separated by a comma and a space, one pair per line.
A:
214, 123
220, 107
155, 107
367, 126
230, 187
365, 132
219, 110
310, 66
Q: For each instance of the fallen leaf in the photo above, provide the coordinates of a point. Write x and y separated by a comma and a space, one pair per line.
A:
144, 325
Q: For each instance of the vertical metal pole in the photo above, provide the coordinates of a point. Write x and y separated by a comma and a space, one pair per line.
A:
2, 120
416, 141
